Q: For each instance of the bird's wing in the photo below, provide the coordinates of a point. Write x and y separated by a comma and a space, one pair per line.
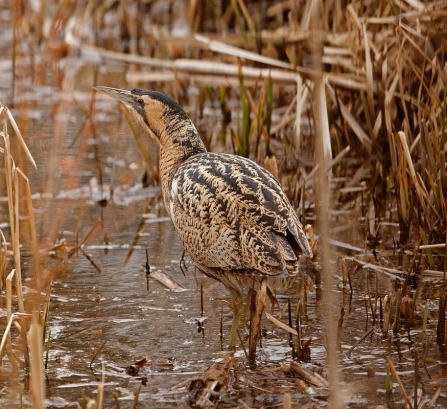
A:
232, 214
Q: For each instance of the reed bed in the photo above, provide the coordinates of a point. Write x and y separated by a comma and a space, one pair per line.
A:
315, 84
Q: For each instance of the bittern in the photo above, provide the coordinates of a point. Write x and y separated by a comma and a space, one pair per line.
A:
231, 215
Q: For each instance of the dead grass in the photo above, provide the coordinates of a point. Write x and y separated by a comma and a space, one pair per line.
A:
376, 90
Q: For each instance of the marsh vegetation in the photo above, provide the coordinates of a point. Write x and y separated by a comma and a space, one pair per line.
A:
345, 103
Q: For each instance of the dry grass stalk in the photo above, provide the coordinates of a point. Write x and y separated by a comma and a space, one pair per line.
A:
323, 119
46, 310
6, 336
6, 341
312, 377
32, 226
280, 324
373, 310
302, 94
434, 398
223, 48
403, 140
37, 377
391, 272
9, 279
387, 303
287, 402
34, 339
89, 233
19, 135
3, 259
397, 306
344, 272
352, 122
403, 204
396, 376
12, 186
256, 309
217, 68
323, 154
299, 346
369, 74
100, 394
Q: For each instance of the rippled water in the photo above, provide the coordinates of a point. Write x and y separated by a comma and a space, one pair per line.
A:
116, 307
106, 318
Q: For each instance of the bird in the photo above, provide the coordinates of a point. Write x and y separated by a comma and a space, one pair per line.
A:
231, 215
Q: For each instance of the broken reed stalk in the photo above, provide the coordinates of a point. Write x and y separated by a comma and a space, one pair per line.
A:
242, 344
12, 188
147, 270
256, 312
37, 377
116, 399
373, 312
6, 342
137, 395
46, 309
299, 348
289, 316
388, 381
416, 377
387, 306
287, 401
308, 375
3, 259
47, 350
6, 335
397, 305
435, 397
97, 353
340, 327
90, 231
100, 394
364, 336
424, 323
396, 376
344, 272
32, 226
8, 303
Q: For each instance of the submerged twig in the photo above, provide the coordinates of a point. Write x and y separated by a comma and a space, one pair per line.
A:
97, 352
364, 336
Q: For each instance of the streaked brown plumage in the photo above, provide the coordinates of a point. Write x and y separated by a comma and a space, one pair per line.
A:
230, 214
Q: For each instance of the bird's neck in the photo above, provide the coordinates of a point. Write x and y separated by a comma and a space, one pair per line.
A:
179, 140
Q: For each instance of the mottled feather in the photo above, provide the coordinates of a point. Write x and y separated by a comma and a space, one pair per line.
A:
232, 215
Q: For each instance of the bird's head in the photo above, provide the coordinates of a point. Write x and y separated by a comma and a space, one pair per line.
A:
156, 112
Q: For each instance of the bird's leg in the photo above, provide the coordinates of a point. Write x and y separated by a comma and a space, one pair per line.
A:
237, 310
255, 320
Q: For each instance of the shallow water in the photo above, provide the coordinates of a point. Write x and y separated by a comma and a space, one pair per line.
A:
115, 310
103, 317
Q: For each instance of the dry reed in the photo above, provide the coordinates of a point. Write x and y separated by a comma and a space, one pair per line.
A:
377, 80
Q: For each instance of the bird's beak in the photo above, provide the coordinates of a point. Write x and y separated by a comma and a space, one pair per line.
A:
120, 94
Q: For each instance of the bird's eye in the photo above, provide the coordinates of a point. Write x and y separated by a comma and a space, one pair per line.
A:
140, 101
